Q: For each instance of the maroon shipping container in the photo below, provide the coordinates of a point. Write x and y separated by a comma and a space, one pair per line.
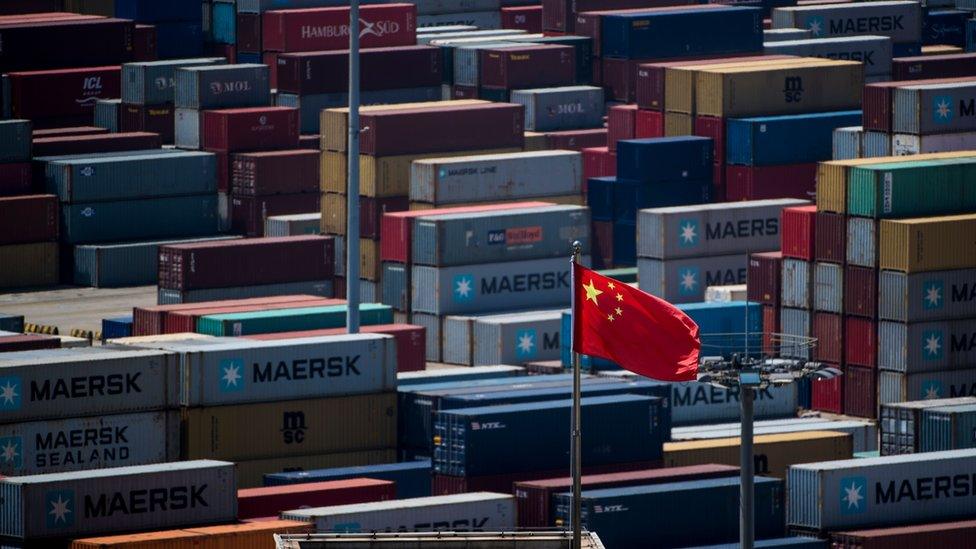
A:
828, 330
719, 194
149, 118
444, 485
713, 127
96, 143
339, 285
248, 213
380, 69
223, 161
40, 7
275, 172
144, 43
371, 212
860, 291
577, 140
272, 500
598, 162
798, 230
763, 277
530, 66
444, 129
649, 124
860, 392
764, 182
877, 100
227, 51
527, 18
770, 326
584, 17
15, 178
831, 238
250, 129
649, 83
602, 252
320, 29
860, 342
411, 341
309, 141
621, 124
27, 342
29, 218
151, 320
90, 42
827, 395
63, 92
64, 132
533, 499
177, 322
249, 32
944, 535
464, 92
248, 262
933, 66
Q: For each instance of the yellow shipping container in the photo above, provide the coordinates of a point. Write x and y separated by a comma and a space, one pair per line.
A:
941, 49
569, 199
250, 474
249, 535
334, 123
166, 539
290, 428
807, 85
678, 123
383, 176
29, 265
928, 243
333, 214
772, 454
679, 82
333, 172
535, 141
370, 266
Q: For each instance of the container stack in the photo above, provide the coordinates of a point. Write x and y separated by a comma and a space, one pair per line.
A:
29, 225
904, 425
59, 97
178, 25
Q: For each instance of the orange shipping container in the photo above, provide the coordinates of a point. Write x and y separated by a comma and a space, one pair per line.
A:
251, 535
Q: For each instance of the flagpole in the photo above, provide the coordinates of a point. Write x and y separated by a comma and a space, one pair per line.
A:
575, 456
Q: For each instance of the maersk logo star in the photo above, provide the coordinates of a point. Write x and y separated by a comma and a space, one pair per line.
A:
689, 281
525, 343
463, 288
816, 26
853, 495
689, 233
59, 512
10, 393
931, 390
932, 343
942, 109
933, 295
231, 375
10, 452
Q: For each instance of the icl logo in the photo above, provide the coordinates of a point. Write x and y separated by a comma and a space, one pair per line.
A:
10, 393
59, 508
463, 286
933, 297
525, 343
853, 495
11, 452
231, 375
689, 235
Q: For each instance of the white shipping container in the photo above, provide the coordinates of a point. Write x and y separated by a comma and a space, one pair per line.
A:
291, 225
725, 294
903, 144
697, 403
864, 434
684, 280
796, 282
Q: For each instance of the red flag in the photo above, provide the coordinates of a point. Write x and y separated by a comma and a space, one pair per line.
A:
638, 331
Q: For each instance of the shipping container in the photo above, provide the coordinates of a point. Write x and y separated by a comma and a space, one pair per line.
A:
864, 434
101, 145
289, 320
15, 140
320, 288
764, 277
29, 94
795, 327
827, 329
411, 478
112, 265
927, 244
901, 21
799, 232
335, 122
530, 66
412, 130
932, 108
684, 280
925, 346
319, 29
320, 72
275, 172
247, 535
939, 295
221, 86
860, 392
901, 422
791, 139
513, 338
166, 217
874, 51
945, 534
665, 159
310, 106
899, 387
292, 225
269, 501
797, 283
946, 428
248, 214
830, 238
906, 144
933, 66
766, 182
250, 474
249, 129
28, 218
561, 108
862, 242
669, 33
153, 82
694, 403
828, 288
106, 113
442, 375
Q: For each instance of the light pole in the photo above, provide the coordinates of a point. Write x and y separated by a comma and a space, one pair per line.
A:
352, 186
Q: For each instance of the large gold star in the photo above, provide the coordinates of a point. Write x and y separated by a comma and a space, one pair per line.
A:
592, 292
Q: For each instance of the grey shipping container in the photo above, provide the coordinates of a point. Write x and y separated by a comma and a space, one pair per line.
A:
565, 108
926, 346
491, 177
779, 35
131, 177
292, 225
432, 327
125, 264
873, 51
933, 108
711, 229
448, 38
222, 86
694, 403
369, 291
881, 491
494, 236
475, 19
864, 434
508, 338
936, 295
796, 282
900, 422
948, 428
862, 242
905, 144
796, 324
467, 57
152, 82
828, 287
340, 255
94, 442
176, 216
322, 288
684, 280
876, 144
118, 499
460, 512
900, 387
440, 375
106, 114
187, 128
310, 106
848, 143
15, 140
901, 21
396, 285
491, 287
85, 381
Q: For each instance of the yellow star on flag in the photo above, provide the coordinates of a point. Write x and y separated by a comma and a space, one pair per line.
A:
620, 297
610, 318
611, 285
592, 292
620, 312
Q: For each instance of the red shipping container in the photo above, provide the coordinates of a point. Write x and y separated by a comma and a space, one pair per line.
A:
15, 178
320, 29
944, 535
602, 252
57, 44
719, 194
248, 213
64, 132
272, 500
371, 212
270, 58
598, 162
763, 182
828, 330
309, 141
827, 395
831, 238
530, 66
619, 78
527, 18
860, 342
585, 17
763, 277
380, 69
442, 129
249, 32
877, 100
533, 498
411, 341
649, 83
464, 92
860, 392
177, 322
396, 228
444, 485
798, 230
860, 291
95, 143
770, 326
577, 140
29, 218
713, 127
275, 172
144, 43
648, 124
933, 66
27, 342
60, 93
621, 124
151, 320
149, 118
250, 129
339, 285
247, 262
227, 51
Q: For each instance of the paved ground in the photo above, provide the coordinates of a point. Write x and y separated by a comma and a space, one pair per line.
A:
71, 308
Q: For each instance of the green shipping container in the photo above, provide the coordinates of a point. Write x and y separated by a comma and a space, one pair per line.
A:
290, 320
126, 220
912, 189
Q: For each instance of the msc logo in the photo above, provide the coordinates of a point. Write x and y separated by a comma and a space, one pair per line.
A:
10, 393
793, 89
293, 427
932, 345
942, 109
463, 287
11, 452
231, 375
525, 343
689, 235
931, 390
59, 508
853, 495
816, 25
934, 292
690, 278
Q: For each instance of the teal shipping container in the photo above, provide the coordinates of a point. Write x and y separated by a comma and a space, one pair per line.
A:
948, 428
290, 320
144, 219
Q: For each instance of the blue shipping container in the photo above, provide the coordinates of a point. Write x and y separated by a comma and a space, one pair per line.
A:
248, 57
116, 327
171, 217
224, 23
946, 27
660, 515
683, 33
656, 159
412, 478
179, 39
948, 428
11, 323
411, 379
480, 441
792, 139
971, 35
630, 195
906, 49
156, 11
599, 197
778, 543
624, 243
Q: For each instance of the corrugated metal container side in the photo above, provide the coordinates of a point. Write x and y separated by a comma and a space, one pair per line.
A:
934, 66
432, 325
860, 392
694, 403
444, 375
167, 217
248, 213
29, 265
185, 493
150, 321
902, 20
828, 330
15, 140
911, 189
153, 82
799, 232
830, 238
847, 143
133, 264
792, 139
563, 108
861, 342
222, 86
901, 422
665, 158
928, 244
765, 182
289, 320
321, 72
413, 130
515, 339
668, 33
269, 501
263, 173
861, 292
321, 288
947, 428
411, 478
782, 35
684, 280
828, 287
906, 145
863, 432
28, 218
770, 326
930, 296
827, 395
795, 323
797, 281
899, 387
862, 242
945, 534
292, 225
286, 30
250, 474
928, 109
531, 66
106, 113
765, 272
926, 346
249, 129
130, 177
874, 51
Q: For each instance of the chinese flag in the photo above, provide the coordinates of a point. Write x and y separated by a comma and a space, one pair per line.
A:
638, 331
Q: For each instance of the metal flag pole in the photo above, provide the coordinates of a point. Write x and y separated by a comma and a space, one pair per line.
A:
576, 453
352, 186
746, 491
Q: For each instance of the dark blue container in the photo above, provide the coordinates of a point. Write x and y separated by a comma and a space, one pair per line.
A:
599, 197
664, 34
665, 158
906, 49
158, 11
804, 393
405, 381
624, 243
12, 323
792, 139
630, 195
971, 35
778, 543
516, 438
412, 477
116, 327
248, 57
179, 39
663, 515
946, 27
